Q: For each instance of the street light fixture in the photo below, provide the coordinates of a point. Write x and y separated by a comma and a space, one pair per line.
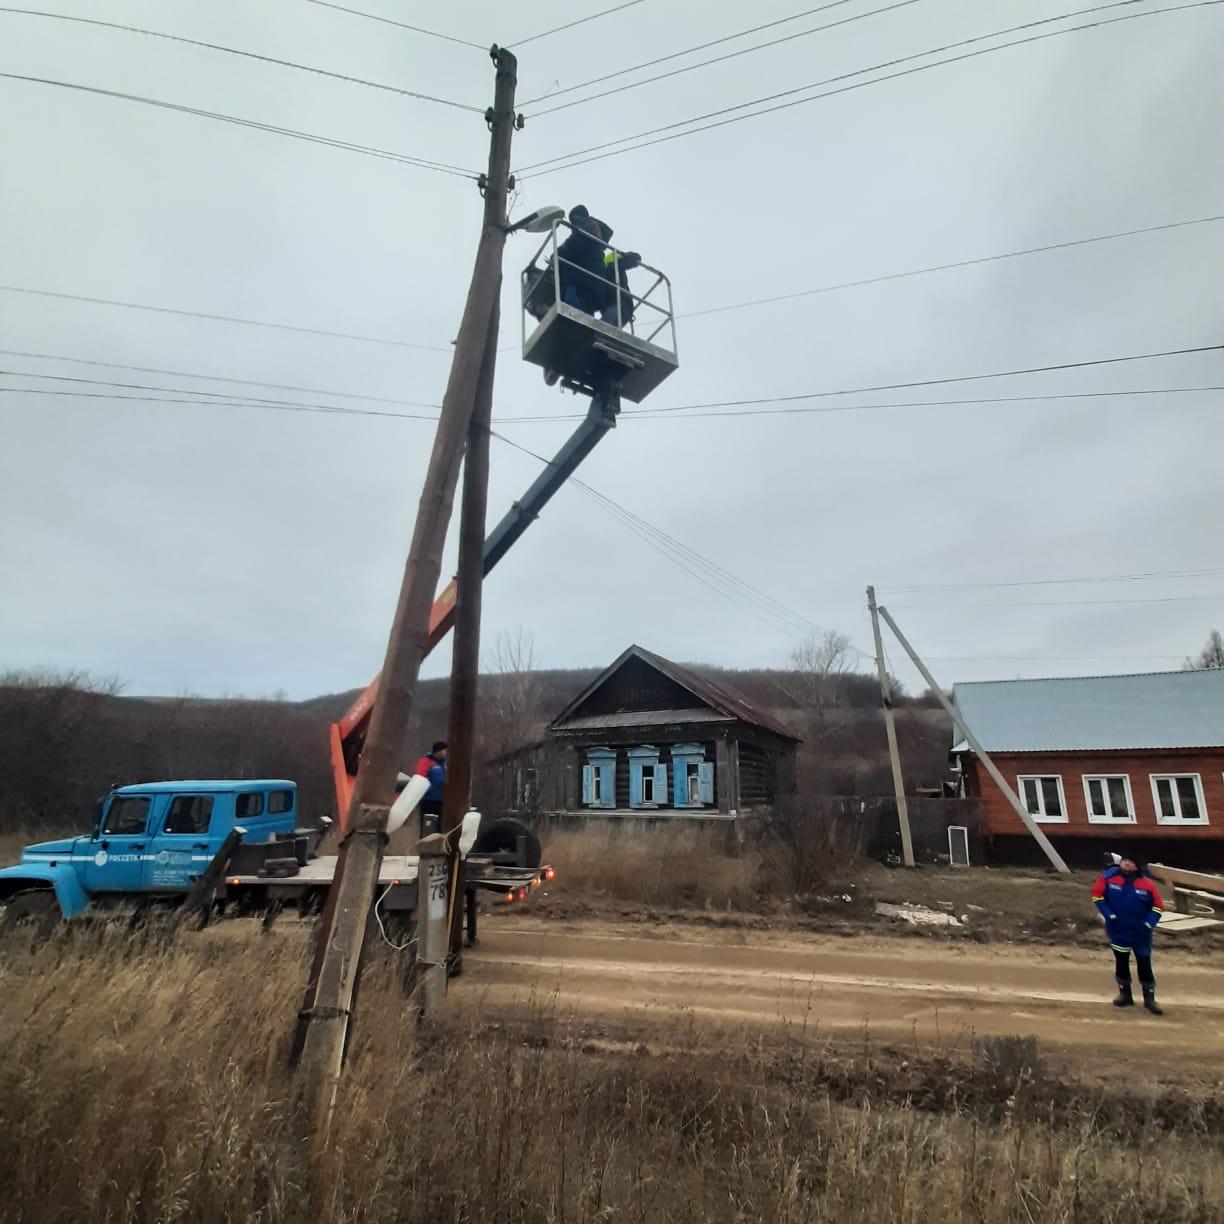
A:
538, 222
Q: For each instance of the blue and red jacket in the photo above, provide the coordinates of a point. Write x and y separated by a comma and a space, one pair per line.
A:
1130, 905
430, 767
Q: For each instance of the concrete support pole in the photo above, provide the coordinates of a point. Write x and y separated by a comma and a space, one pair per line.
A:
890, 729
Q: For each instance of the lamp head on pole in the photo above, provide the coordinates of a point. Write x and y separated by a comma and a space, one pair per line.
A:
539, 221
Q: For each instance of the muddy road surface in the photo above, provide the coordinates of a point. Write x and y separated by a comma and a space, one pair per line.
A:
934, 990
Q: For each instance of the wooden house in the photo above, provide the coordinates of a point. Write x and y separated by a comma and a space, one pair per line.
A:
1103, 761
651, 739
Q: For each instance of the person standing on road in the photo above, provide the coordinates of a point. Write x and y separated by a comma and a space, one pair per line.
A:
432, 766
1130, 903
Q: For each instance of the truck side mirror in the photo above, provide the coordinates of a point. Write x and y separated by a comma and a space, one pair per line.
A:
99, 807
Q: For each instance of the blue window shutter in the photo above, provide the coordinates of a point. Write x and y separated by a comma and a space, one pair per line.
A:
607, 775
680, 794
707, 782
660, 785
588, 774
635, 783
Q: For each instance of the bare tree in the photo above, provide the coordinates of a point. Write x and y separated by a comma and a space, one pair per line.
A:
515, 697
1210, 657
814, 681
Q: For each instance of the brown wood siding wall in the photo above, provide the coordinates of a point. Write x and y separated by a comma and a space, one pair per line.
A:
758, 775
1001, 819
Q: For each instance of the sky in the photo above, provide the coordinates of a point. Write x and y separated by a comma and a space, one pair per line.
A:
219, 548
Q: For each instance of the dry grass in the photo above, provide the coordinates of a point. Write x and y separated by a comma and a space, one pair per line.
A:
682, 866
147, 1082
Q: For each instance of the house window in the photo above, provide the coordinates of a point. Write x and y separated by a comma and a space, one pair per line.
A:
526, 787
1179, 799
647, 778
599, 778
692, 776
1043, 797
1109, 799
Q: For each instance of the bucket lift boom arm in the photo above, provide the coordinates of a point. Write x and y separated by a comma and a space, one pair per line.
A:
347, 736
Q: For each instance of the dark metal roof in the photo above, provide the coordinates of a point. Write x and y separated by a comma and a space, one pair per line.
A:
720, 697
646, 718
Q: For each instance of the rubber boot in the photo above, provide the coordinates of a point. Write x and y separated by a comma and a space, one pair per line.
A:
1125, 997
1149, 1001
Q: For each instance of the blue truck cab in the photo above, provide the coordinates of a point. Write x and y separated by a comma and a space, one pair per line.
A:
151, 839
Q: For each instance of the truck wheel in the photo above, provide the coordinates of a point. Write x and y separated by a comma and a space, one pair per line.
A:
502, 837
35, 912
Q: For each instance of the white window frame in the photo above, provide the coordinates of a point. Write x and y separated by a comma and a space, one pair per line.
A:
1109, 817
648, 778
596, 785
1171, 778
1041, 817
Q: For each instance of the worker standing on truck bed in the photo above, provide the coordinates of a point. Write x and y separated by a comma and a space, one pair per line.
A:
433, 767
1130, 903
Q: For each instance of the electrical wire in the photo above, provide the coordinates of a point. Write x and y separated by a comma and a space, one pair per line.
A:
663, 59
931, 382
1061, 603
1052, 658
708, 572
945, 267
1144, 576
600, 153
340, 8
719, 59
236, 402
522, 42
246, 382
310, 137
253, 401
220, 318
252, 55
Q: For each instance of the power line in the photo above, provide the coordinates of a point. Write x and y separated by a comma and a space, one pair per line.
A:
1060, 603
352, 147
252, 400
1144, 576
570, 25
596, 149
220, 318
708, 572
960, 263
661, 414
266, 59
236, 402
663, 59
340, 8
1052, 658
247, 382
931, 382
719, 59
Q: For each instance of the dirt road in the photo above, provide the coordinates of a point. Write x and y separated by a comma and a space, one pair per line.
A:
899, 987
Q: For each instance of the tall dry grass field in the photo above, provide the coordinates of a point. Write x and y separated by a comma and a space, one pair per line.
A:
681, 866
147, 1082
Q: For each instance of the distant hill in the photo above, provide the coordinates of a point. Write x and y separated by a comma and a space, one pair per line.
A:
63, 742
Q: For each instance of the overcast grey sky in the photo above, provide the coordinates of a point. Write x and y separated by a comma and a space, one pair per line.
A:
230, 549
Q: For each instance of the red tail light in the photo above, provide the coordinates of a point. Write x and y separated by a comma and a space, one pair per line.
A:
550, 873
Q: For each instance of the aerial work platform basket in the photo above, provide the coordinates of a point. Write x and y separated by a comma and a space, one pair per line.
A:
631, 348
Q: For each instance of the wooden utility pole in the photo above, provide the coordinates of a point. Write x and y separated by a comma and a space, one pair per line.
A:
324, 1019
465, 660
890, 727
1029, 823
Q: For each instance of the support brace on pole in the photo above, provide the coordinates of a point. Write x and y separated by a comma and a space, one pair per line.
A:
1039, 836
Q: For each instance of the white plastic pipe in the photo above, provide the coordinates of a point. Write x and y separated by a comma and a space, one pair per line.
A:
467, 834
406, 802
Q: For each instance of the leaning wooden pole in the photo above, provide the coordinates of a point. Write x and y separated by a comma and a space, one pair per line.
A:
330, 990
890, 729
1000, 781
465, 660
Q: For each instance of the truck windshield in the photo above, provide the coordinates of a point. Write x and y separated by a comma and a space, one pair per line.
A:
127, 814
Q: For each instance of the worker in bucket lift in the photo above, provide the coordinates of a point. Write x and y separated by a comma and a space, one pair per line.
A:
593, 277
1130, 903
432, 766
